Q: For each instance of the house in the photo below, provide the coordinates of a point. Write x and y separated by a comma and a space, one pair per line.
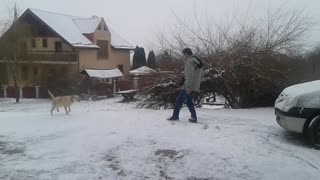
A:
63, 45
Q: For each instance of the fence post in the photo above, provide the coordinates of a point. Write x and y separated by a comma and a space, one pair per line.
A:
5, 93
37, 92
114, 86
21, 92
135, 82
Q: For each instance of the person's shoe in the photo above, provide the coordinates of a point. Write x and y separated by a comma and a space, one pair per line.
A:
193, 120
173, 119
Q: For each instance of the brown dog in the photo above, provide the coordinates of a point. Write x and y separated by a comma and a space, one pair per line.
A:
63, 101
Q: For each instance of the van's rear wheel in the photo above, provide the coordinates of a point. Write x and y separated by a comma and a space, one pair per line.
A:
314, 132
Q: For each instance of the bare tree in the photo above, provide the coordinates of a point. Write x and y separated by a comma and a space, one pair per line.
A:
247, 60
13, 45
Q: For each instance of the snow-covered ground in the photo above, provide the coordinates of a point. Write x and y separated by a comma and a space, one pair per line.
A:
110, 140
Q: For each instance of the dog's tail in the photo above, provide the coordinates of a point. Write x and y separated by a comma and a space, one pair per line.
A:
49, 92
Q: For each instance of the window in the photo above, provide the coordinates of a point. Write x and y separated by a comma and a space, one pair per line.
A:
103, 49
24, 73
44, 43
58, 46
100, 27
120, 67
105, 28
33, 43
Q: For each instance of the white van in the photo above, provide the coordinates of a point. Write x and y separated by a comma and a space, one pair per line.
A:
297, 109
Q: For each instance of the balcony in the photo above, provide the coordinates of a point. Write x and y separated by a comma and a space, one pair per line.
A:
46, 56
51, 56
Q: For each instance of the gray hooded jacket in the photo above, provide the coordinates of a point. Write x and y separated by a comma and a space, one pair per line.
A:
193, 74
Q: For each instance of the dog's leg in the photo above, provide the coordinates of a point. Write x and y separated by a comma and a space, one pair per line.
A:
52, 109
57, 109
69, 108
65, 108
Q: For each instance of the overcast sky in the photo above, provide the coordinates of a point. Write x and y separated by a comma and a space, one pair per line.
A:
139, 21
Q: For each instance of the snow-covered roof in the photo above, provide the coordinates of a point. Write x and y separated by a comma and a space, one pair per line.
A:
144, 70
87, 25
103, 73
118, 42
73, 28
64, 25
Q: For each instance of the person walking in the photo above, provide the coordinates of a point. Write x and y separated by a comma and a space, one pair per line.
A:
193, 70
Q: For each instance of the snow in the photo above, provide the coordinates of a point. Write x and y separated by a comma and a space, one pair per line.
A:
118, 42
144, 70
65, 27
306, 95
103, 73
111, 140
88, 25
212, 106
72, 28
303, 88
127, 91
166, 84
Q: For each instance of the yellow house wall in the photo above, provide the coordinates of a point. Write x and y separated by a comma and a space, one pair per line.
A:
88, 57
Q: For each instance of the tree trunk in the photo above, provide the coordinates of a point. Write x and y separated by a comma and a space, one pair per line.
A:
16, 89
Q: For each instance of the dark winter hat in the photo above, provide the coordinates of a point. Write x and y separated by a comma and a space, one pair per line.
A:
187, 51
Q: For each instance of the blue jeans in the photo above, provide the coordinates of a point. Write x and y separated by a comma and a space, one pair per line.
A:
184, 97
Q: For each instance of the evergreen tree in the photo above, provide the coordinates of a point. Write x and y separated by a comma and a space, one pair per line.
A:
139, 58
143, 59
135, 60
151, 63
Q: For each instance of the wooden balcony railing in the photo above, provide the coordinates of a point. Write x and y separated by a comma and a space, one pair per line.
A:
45, 56
51, 56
